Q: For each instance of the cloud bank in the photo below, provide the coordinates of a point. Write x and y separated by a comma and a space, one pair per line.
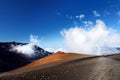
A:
56, 49
97, 39
27, 49
90, 38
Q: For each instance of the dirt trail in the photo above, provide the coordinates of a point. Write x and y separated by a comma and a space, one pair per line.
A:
106, 69
99, 68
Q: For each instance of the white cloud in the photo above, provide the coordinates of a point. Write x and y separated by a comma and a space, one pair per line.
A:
56, 49
81, 16
96, 40
27, 49
88, 23
50, 49
118, 13
34, 40
24, 49
96, 13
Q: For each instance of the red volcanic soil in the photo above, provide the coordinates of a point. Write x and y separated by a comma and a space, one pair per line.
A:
63, 66
56, 57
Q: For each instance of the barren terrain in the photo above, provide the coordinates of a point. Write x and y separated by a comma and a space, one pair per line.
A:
94, 68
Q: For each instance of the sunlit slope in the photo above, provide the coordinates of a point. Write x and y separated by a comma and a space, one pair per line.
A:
56, 57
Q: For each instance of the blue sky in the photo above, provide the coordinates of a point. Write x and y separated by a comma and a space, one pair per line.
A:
47, 18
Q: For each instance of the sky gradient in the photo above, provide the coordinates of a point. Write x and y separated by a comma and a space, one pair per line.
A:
47, 18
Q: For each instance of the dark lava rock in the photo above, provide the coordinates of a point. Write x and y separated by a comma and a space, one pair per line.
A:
10, 60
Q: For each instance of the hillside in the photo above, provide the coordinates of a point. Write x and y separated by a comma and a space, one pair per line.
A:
56, 57
10, 59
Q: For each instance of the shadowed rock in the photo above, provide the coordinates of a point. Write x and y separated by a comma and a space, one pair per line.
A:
12, 59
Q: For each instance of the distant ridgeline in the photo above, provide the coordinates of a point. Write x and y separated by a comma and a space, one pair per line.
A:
118, 48
13, 59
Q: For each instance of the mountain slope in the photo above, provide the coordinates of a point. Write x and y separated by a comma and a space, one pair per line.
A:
56, 57
12, 59
92, 68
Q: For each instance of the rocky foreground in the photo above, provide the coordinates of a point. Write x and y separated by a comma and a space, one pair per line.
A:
87, 68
